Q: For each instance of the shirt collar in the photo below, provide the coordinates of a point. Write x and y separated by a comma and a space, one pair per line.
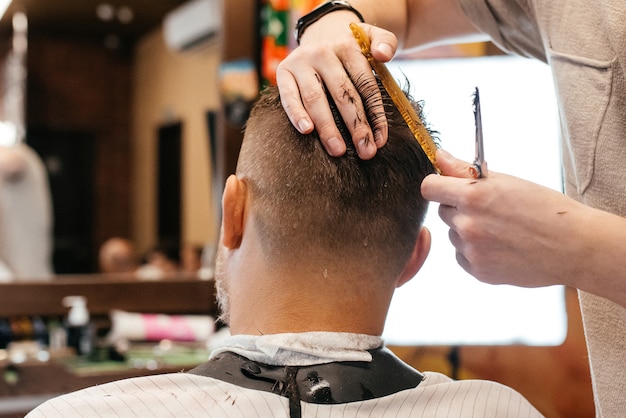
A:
302, 349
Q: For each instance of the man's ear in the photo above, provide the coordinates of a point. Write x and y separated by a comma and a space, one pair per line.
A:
234, 202
420, 252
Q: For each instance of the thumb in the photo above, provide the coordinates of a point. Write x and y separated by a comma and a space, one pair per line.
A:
451, 166
383, 43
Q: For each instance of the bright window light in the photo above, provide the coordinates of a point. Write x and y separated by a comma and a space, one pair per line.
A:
444, 305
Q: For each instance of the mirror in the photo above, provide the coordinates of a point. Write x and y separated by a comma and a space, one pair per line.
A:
101, 89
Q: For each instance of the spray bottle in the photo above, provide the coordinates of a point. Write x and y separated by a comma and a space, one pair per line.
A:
77, 323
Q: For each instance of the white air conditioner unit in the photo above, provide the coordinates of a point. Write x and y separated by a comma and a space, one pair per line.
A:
192, 24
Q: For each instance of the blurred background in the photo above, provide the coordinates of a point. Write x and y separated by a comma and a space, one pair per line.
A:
135, 109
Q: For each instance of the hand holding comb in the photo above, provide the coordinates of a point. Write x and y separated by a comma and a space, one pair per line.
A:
407, 111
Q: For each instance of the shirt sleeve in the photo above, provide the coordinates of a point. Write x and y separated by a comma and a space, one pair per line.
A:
512, 25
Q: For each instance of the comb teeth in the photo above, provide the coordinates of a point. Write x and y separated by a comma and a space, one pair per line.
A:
413, 121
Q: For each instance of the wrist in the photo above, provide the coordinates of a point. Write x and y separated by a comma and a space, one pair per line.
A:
316, 14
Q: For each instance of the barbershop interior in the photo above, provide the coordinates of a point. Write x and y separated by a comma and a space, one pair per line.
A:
128, 116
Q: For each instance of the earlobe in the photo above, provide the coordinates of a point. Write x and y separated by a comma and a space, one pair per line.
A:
418, 257
233, 211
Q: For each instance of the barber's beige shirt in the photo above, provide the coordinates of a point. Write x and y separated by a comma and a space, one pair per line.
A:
585, 44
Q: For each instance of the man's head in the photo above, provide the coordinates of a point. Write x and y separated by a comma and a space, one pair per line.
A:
117, 255
339, 217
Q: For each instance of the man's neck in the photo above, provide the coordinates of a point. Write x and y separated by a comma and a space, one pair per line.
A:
298, 301
269, 297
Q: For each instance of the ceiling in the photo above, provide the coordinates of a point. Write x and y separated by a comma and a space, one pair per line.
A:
79, 18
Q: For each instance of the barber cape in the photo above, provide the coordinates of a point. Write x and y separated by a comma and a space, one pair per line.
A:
194, 395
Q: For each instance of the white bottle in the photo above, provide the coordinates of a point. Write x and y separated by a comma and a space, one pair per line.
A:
77, 324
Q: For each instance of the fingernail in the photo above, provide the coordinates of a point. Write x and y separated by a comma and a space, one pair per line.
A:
367, 147
304, 125
335, 146
386, 49
378, 137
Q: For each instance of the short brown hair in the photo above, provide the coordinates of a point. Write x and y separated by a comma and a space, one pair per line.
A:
344, 209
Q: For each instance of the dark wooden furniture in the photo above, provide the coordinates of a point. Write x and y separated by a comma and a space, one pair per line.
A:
175, 295
26, 384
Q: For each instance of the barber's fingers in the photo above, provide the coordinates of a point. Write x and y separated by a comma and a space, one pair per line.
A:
304, 78
383, 46
383, 43
451, 166
447, 188
296, 90
459, 246
333, 63
472, 240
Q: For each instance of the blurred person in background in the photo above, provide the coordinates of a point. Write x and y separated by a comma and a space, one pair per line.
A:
25, 213
118, 255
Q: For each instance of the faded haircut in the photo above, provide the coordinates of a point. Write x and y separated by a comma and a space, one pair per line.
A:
364, 214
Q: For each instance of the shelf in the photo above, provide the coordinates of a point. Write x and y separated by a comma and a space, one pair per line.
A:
176, 295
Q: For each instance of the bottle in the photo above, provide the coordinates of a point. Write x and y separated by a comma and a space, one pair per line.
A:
6, 334
40, 331
77, 324
58, 336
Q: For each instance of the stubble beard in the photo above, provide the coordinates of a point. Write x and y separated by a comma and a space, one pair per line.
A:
223, 300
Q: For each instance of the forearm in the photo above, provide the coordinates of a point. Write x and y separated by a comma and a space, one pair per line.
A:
419, 23
598, 262
392, 15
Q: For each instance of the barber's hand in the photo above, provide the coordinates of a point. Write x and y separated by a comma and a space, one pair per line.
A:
329, 58
505, 230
